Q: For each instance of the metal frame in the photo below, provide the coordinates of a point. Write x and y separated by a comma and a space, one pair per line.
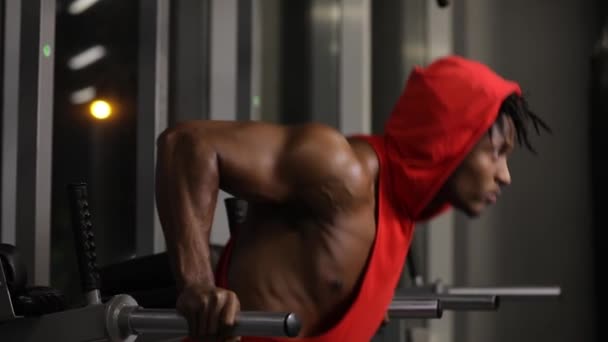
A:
223, 62
257, 59
152, 118
325, 59
267, 79
355, 67
223, 86
35, 124
244, 64
189, 62
10, 115
122, 320
440, 240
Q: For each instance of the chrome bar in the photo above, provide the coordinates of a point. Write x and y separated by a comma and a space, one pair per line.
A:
415, 308
249, 323
508, 292
457, 302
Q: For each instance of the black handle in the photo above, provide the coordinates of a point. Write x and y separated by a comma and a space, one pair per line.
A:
443, 3
84, 240
236, 210
412, 267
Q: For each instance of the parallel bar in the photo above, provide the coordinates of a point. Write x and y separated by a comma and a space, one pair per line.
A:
508, 292
155, 321
458, 302
415, 308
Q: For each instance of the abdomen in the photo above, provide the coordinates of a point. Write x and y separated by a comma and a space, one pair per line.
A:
303, 268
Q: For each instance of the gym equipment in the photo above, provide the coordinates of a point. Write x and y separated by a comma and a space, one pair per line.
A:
14, 272
120, 317
134, 277
440, 290
6, 305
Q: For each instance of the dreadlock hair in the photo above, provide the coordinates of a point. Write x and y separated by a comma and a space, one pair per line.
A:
516, 107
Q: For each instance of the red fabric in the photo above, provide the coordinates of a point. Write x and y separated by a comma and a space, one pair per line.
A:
443, 111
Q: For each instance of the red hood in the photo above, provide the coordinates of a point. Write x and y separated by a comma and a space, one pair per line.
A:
442, 113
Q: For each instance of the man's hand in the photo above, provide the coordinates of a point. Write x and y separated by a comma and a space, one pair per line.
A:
210, 311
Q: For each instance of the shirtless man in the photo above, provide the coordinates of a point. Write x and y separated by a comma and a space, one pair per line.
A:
330, 217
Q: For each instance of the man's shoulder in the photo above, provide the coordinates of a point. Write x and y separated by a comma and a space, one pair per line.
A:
349, 159
338, 169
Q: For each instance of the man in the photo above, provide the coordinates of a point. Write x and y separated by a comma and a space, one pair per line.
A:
330, 218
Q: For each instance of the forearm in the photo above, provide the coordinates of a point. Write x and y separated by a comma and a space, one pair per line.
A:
187, 185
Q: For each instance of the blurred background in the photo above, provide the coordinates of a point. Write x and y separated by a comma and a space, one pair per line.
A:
89, 84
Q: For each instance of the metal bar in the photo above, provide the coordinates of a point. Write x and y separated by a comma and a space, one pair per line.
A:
458, 302
152, 118
223, 88
412, 267
508, 292
189, 62
152, 321
415, 308
244, 60
257, 51
354, 67
10, 118
35, 137
223, 67
324, 39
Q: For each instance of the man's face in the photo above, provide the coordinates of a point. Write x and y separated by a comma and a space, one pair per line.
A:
478, 180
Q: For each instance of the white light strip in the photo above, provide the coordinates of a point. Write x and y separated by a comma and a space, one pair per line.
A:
83, 95
80, 6
87, 57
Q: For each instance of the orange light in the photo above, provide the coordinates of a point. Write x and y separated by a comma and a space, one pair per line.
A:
100, 109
